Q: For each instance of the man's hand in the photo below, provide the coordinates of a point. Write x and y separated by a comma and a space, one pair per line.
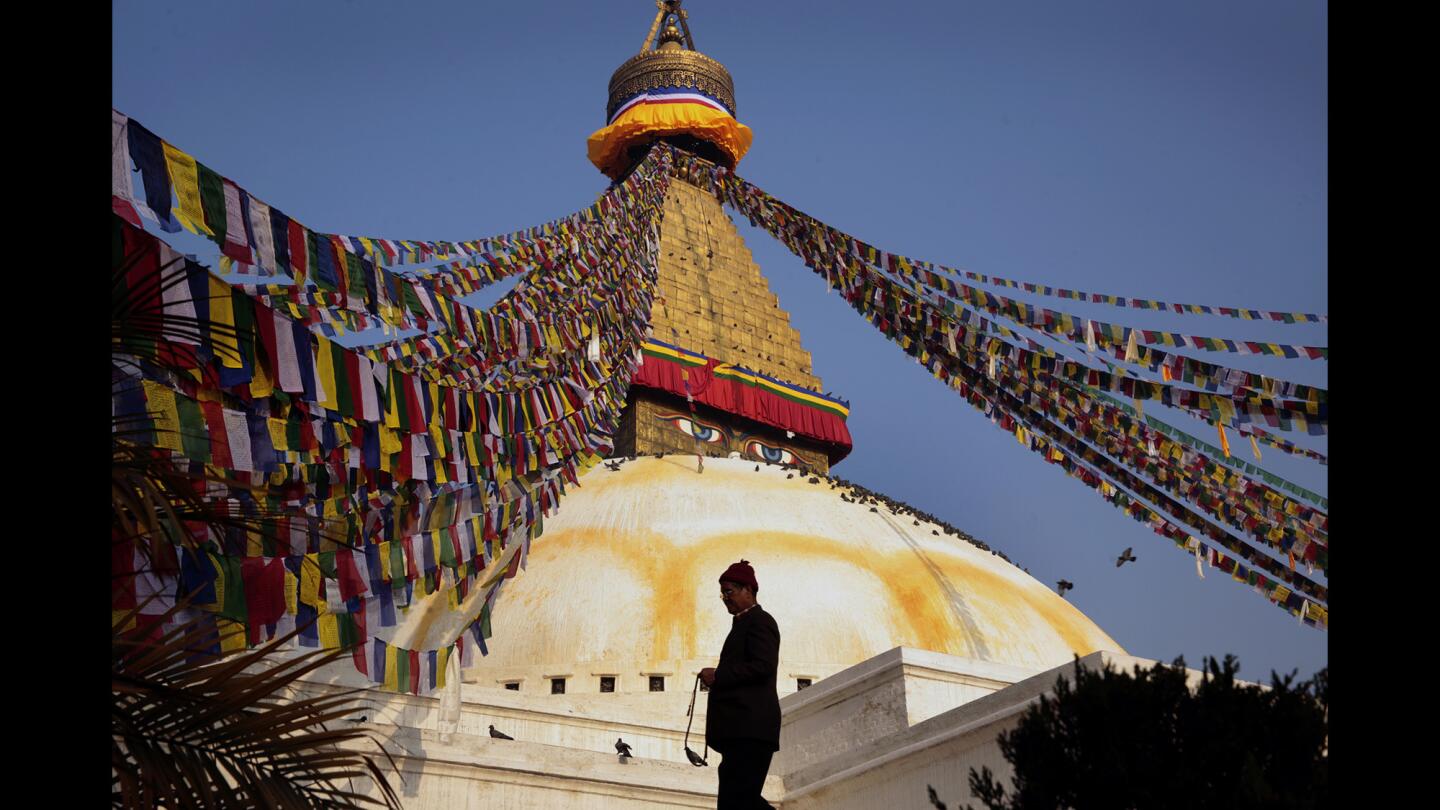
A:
707, 676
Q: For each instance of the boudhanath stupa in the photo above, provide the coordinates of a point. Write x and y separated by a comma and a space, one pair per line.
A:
893, 614
634, 415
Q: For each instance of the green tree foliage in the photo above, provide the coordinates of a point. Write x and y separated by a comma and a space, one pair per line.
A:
1113, 739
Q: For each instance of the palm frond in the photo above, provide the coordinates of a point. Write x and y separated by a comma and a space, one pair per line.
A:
191, 728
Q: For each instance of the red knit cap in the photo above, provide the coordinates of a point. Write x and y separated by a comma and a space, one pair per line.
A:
742, 573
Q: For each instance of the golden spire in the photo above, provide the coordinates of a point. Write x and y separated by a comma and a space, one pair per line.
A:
669, 9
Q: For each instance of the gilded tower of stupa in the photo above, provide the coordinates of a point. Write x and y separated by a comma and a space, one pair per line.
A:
715, 316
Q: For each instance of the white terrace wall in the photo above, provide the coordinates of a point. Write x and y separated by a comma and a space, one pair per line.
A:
869, 737
859, 751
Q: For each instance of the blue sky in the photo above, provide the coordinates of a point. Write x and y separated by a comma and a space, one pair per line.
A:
1169, 150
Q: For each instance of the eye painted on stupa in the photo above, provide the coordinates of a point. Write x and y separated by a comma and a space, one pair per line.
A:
710, 434
764, 452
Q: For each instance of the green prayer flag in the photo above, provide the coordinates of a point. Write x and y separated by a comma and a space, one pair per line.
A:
194, 436
345, 623
212, 200
327, 565
243, 308
234, 584
402, 668
343, 394
397, 562
292, 429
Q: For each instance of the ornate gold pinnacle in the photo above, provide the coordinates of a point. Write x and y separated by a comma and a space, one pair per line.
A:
668, 59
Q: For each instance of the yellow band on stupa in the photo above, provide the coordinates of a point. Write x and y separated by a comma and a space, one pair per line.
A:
648, 120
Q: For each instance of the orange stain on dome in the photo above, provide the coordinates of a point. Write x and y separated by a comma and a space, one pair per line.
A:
669, 575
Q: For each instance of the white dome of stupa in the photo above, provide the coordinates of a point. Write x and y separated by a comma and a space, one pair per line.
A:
624, 582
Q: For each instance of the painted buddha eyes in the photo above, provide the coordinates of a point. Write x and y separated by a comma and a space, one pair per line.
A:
764, 452
713, 434
701, 431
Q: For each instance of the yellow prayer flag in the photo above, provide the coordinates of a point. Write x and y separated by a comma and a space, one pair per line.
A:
329, 626
277, 433
1226, 407
1224, 442
391, 668
310, 581
222, 313
292, 589
160, 402
325, 367
186, 178
436, 396
261, 384
442, 662
232, 634
390, 441
385, 561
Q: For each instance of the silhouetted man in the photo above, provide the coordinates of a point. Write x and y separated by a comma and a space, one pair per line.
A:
743, 718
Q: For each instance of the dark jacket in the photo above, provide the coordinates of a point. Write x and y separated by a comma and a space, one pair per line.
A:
742, 703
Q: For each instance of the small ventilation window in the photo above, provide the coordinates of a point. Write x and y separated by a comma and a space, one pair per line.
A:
513, 686
657, 683
557, 686
802, 683
607, 683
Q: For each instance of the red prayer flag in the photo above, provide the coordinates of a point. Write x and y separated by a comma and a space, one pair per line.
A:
219, 438
299, 254
352, 377
351, 585
360, 653
264, 592
411, 573
125, 211
268, 356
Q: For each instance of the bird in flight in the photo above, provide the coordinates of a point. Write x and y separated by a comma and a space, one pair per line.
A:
1125, 556
499, 735
1064, 585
